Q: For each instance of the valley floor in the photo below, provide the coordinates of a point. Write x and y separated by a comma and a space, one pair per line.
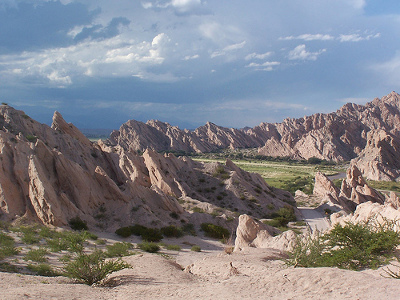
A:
210, 274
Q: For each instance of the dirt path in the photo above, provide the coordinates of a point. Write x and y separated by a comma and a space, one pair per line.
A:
314, 219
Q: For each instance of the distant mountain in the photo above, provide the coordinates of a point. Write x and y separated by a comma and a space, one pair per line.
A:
339, 136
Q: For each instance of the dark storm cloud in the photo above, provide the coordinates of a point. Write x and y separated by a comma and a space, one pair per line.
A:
28, 27
95, 32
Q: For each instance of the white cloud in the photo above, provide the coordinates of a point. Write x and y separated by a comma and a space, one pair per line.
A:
190, 57
181, 7
309, 37
357, 37
116, 56
300, 53
228, 48
258, 56
266, 66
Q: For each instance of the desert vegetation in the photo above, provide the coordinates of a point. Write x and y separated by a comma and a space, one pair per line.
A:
352, 246
81, 255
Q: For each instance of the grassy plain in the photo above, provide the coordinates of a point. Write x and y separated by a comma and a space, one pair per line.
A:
289, 176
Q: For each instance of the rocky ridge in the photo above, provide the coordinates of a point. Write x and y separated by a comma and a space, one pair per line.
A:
53, 174
367, 133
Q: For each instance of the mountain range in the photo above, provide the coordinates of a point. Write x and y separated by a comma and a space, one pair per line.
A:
367, 134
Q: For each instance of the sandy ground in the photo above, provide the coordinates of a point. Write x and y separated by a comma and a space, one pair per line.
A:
210, 274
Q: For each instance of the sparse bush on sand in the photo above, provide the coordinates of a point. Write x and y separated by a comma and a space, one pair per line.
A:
353, 246
92, 268
215, 231
195, 248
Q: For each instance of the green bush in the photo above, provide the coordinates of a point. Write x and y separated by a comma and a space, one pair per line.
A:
147, 234
92, 268
173, 247
215, 231
172, 231
189, 229
149, 247
7, 246
43, 270
137, 229
7, 267
78, 224
353, 246
152, 235
37, 255
277, 222
119, 249
195, 248
124, 231
67, 240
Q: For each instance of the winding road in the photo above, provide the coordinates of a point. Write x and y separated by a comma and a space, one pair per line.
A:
314, 219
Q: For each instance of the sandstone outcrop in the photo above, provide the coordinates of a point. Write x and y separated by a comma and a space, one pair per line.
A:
379, 160
53, 174
354, 190
370, 131
252, 233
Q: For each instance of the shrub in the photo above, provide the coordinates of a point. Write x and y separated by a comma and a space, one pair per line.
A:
174, 215
353, 246
71, 241
92, 268
172, 231
29, 234
31, 138
124, 231
189, 229
195, 248
138, 229
37, 255
42, 270
215, 231
149, 247
7, 267
78, 224
147, 234
119, 249
7, 246
152, 235
173, 247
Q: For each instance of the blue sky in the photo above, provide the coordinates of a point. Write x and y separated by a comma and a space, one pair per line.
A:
234, 63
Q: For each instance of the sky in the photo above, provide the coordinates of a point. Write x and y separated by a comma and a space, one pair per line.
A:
186, 62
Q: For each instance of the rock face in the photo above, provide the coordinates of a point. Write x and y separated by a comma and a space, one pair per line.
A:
252, 233
52, 174
354, 190
379, 160
370, 131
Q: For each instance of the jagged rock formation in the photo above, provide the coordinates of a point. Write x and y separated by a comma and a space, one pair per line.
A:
52, 174
338, 136
379, 160
252, 233
354, 190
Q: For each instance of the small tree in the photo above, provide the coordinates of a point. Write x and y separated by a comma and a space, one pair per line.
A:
92, 268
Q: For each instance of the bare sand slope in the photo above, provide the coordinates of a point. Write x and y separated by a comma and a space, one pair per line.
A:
256, 274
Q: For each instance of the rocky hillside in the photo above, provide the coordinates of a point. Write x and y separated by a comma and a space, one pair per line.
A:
350, 132
53, 174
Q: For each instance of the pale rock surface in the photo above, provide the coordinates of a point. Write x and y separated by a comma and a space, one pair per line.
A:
252, 233
369, 211
356, 189
53, 174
